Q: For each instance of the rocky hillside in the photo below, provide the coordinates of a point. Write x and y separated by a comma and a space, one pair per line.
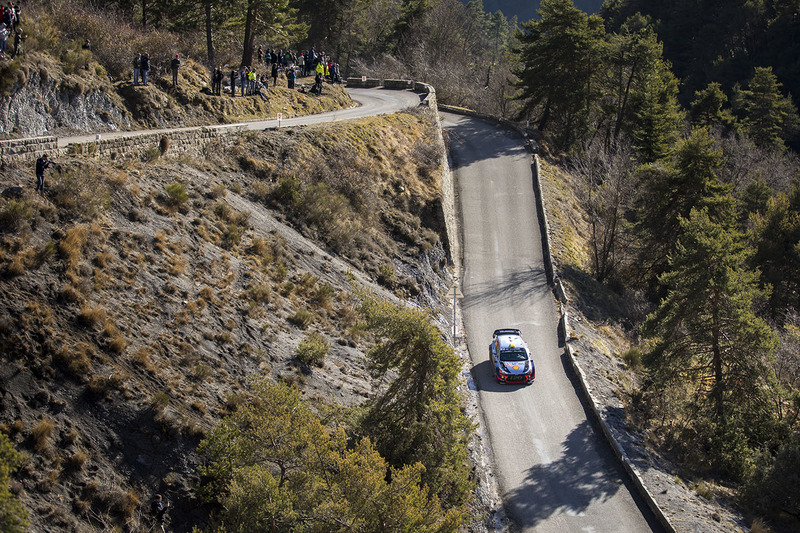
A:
140, 296
40, 95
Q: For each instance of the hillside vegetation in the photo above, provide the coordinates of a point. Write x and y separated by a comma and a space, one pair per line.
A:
140, 300
675, 223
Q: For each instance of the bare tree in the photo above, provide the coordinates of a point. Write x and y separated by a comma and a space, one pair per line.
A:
606, 190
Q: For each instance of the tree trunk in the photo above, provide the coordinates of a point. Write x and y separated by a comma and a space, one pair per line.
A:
249, 36
144, 13
209, 39
716, 351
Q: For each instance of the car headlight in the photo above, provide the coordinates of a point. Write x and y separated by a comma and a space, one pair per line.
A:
501, 369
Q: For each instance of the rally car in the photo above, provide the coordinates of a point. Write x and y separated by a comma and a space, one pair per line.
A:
511, 357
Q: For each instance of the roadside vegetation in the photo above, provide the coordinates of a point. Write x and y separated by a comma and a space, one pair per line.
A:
142, 305
685, 238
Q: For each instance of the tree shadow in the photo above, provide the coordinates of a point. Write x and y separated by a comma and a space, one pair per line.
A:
469, 137
569, 484
531, 280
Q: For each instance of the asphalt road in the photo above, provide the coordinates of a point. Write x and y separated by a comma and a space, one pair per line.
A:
370, 102
555, 471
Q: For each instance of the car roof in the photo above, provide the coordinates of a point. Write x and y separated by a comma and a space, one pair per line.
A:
510, 341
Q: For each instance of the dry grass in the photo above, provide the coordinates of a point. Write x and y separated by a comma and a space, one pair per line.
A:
71, 246
41, 434
92, 316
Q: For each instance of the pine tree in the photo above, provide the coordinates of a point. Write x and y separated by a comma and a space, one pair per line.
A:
418, 418
707, 108
770, 117
670, 190
561, 59
705, 331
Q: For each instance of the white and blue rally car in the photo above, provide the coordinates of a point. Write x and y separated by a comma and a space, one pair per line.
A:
511, 357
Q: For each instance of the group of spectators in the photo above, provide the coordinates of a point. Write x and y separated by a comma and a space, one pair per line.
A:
10, 25
292, 65
249, 82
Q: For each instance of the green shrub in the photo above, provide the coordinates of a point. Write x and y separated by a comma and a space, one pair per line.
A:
289, 193
175, 194
302, 318
632, 358
74, 60
232, 236
14, 213
11, 76
13, 516
81, 191
313, 349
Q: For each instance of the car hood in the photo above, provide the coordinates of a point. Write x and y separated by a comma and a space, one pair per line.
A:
515, 367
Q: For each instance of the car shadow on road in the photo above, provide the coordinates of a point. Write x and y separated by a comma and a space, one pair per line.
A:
483, 376
569, 485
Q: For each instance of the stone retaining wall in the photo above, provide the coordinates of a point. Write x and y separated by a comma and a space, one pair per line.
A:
176, 142
26, 148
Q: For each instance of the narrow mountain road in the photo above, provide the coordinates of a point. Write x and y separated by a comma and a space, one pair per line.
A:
554, 469
371, 102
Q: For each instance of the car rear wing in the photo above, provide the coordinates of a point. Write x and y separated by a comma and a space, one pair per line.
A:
507, 331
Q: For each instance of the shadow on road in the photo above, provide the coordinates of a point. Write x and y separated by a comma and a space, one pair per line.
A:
522, 283
567, 485
502, 140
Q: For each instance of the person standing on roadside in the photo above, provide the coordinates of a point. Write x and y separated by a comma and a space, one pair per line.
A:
175, 64
243, 79
137, 64
41, 165
19, 37
145, 67
3, 37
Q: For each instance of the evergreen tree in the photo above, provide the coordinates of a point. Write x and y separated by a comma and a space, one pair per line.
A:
776, 237
13, 517
659, 115
561, 59
706, 335
707, 108
669, 192
418, 418
274, 467
770, 117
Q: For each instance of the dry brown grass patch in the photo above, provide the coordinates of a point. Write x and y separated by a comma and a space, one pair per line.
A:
71, 246
92, 316
41, 434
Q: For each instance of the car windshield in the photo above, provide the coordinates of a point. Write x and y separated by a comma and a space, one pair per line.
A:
513, 355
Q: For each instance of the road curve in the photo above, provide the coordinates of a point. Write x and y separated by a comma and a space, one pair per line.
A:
554, 470
370, 102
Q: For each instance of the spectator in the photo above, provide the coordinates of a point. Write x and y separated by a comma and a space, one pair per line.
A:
262, 91
175, 64
3, 37
137, 64
41, 165
301, 62
318, 79
216, 81
19, 38
87, 45
275, 74
243, 79
260, 55
290, 77
233, 83
145, 67
158, 510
